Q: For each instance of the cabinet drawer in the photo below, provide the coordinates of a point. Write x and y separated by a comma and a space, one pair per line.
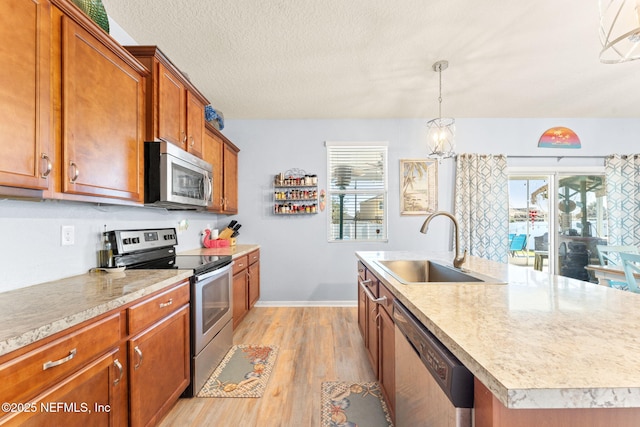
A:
254, 256
240, 264
155, 308
371, 282
47, 364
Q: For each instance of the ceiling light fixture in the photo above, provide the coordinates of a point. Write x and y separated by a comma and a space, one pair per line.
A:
440, 131
619, 30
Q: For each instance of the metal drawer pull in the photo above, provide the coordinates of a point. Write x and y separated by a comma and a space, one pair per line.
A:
76, 172
118, 365
370, 295
47, 171
51, 364
166, 304
139, 353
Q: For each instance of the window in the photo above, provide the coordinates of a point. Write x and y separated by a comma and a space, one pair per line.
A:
357, 195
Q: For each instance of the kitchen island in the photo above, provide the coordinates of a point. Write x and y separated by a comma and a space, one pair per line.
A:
535, 342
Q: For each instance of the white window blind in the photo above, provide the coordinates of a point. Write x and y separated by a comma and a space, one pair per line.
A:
357, 195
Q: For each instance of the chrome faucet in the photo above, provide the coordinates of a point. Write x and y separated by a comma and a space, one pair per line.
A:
458, 260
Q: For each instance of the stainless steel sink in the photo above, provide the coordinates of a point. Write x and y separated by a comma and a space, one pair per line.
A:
424, 271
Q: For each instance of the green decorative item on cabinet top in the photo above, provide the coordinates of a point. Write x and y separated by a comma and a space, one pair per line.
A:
96, 11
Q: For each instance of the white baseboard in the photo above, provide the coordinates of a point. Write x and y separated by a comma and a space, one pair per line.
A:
306, 304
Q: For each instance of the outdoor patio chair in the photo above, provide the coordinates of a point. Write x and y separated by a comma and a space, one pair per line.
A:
610, 255
518, 245
631, 264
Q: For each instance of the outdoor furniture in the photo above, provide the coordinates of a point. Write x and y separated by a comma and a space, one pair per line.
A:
631, 264
538, 259
518, 245
610, 255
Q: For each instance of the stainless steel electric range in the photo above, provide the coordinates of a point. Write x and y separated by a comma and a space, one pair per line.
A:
211, 293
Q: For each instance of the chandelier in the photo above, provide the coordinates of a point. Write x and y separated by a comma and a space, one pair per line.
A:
440, 131
619, 30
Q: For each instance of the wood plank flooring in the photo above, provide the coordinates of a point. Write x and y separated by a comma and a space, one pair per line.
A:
316, 344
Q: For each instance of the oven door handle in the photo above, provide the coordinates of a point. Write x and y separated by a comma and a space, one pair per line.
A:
218, 272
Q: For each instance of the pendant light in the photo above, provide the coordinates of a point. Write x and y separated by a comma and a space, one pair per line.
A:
619, 30
440, 131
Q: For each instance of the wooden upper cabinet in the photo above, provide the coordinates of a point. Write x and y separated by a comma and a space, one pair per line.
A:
213, 151
175, 108
195, 124
25, 79
171, 107
230, 182
102, 119
223, 156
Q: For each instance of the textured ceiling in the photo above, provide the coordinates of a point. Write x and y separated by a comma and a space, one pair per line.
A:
296, 59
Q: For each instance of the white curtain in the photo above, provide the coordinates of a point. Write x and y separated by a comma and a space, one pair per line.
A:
623, 199
482, 205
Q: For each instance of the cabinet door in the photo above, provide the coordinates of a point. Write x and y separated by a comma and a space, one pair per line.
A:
372, 335
230, 181
159, 371
195, 125
212, 148
171, 108
387, 358
90, 397
102, 119
362, 312
25, 78
254, 283
240, 307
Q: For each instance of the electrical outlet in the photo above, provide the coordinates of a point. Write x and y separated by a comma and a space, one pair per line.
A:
67, 235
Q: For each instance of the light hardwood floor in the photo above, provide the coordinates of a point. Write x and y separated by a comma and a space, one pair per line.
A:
316, 344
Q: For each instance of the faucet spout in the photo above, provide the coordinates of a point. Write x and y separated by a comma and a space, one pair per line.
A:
458, 260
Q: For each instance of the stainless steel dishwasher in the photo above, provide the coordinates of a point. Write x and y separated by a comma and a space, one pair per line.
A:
433, 389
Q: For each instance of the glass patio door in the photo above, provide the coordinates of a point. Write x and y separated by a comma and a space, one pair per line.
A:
563, 217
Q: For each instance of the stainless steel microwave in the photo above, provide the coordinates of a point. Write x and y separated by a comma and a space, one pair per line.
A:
176, 179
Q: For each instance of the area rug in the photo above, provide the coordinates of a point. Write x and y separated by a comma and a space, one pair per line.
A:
244, 372
353, 404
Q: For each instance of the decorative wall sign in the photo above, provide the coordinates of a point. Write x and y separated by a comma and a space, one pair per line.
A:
418, 186
559, 137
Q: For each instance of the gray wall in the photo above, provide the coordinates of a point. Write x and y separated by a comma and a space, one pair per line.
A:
298, 264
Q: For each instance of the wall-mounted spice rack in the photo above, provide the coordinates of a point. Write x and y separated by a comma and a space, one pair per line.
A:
295, 192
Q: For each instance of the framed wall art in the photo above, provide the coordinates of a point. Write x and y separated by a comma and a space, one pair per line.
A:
418, 186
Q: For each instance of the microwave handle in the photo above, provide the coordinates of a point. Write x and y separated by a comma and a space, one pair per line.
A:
208, 179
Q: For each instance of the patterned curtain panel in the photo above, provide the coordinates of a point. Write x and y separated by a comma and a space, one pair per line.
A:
482, 205
623, 199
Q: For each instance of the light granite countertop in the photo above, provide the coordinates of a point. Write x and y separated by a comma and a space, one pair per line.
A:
36, 312
540, 341
235, 251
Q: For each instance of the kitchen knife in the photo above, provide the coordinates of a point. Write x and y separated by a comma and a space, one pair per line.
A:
237, 227
232, 224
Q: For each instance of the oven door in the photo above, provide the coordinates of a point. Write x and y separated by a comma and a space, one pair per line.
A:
211, 305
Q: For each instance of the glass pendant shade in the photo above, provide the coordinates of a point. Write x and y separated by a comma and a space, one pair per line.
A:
619, 30
440, 133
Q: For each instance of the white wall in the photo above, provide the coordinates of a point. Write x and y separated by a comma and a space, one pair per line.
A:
298, 264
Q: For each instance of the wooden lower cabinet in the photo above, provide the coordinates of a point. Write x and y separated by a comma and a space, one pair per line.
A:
159, 368
90, 397
246, 285
254, 278
387, 371
375, 321
125, 367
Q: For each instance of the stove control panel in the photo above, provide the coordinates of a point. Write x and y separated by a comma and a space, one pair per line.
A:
129, 241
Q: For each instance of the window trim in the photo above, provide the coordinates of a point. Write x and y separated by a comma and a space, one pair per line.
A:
385, 219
